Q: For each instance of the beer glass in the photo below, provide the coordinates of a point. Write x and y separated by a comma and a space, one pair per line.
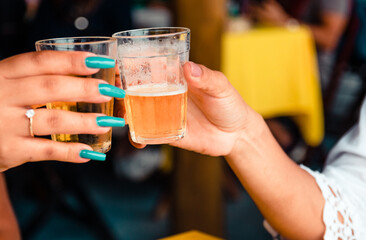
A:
151, 69
101, 46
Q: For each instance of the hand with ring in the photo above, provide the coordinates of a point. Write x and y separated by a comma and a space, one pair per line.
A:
37, 78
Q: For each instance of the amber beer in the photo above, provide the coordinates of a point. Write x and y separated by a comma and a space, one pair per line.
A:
151, 67
100, 142
156, 114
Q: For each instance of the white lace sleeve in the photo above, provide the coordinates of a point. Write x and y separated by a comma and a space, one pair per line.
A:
337, 215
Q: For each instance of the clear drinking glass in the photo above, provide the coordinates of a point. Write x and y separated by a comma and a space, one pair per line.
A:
101, 46
151, 68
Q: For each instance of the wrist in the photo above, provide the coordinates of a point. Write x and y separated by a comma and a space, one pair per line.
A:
249, 136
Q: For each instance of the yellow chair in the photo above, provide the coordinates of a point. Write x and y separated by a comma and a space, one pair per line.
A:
275, 71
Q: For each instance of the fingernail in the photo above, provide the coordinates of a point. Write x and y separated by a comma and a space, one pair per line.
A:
112, 91
196, 71
92, 155
99, 62
106, 121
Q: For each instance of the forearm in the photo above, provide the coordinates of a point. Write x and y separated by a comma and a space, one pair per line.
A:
328, 34
287, 196
8, 224
325, 39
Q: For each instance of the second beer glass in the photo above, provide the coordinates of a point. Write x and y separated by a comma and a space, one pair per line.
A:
151, 67
101, 46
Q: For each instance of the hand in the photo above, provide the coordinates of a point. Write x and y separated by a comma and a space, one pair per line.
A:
269, 12
217, 115
35, 79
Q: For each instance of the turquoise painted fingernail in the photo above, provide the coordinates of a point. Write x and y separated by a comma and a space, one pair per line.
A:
99, 62
92, 155
106, 121
112, 91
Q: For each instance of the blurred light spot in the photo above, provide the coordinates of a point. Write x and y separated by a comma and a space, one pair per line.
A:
81, 23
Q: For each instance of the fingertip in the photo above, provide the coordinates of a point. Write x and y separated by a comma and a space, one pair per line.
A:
88, 54
193, 70
83, 160
78, 154
84, 60
136, 145
92, 155
196, 70
112, 91
78, 61
99, 62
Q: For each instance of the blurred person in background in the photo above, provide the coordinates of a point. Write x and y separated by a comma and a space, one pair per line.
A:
327, 21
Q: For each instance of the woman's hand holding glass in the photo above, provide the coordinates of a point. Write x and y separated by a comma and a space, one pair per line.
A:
37, 78
220, 123
217, 115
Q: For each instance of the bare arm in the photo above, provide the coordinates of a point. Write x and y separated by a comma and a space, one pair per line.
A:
287, 196
8, 223
220, 123
328, 34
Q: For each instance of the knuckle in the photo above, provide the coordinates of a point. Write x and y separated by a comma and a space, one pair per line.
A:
219, 74
86, 86
40, 58
50, 84
53, 120
70, 153
73, 62
85, 119
68, 62
49, 153
82, 121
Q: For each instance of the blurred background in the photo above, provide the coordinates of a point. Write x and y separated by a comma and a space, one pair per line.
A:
312, 54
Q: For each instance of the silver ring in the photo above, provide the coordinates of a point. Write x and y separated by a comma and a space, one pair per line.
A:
30, 114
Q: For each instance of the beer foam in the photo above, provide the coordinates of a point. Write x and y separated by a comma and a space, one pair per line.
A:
147, 48
156, 90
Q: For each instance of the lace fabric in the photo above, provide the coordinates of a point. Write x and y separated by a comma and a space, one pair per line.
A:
339, 220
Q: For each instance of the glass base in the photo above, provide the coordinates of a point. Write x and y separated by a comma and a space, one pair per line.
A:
102, 147
153, 141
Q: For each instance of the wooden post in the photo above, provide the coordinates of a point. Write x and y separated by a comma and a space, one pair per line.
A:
206, 20
197, 186
197, 194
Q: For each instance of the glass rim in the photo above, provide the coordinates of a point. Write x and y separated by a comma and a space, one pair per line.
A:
94, 40
180, 30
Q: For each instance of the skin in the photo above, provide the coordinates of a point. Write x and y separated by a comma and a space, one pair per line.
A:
8, 224
33, 79
326, 35
220, 123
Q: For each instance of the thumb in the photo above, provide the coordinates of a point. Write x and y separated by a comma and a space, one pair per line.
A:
201, 78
